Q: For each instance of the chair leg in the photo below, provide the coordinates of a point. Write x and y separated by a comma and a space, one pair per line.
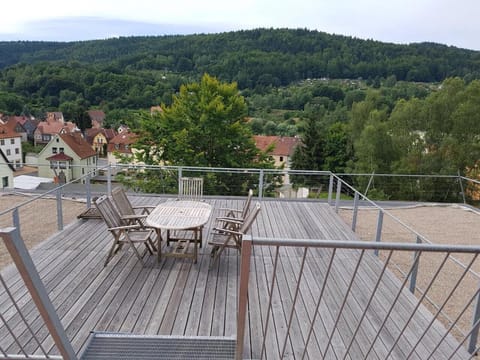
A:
112, 251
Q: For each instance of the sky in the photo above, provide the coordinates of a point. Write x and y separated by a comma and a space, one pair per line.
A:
446, 22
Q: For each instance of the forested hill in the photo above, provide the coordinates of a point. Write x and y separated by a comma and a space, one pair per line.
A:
258, 57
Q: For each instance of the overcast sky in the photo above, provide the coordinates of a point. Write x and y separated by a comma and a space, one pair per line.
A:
400, 21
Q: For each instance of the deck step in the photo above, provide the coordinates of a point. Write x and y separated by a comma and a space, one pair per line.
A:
123, 346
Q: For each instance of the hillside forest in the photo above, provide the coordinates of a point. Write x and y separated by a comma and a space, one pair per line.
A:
359, 105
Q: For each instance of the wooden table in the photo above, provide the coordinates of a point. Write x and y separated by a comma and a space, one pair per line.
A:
180, 215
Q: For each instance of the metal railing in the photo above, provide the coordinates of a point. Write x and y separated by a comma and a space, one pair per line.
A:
320, 310
22, 339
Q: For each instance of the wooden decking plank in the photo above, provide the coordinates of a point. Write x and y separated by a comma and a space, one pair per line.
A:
299, 330
296, 226
220, 300
188, 297
29, 309
180, 271
76, 316
198, 301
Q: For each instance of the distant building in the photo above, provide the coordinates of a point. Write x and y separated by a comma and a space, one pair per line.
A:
66, 156
55, 124
11, 145
282, 150
99, 139
120, 145
16, 124
28, 123
6, 172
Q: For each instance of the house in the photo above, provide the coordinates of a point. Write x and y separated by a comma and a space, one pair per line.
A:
54, 124
99, 138
97, 117
283, 148
6, 172
11, 145
16, 123
29, 125
120, 145
66, 157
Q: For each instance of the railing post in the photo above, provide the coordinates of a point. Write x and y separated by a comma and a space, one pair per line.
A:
88, 191
378, 234
243, 294
180, 185
355, 211
413, 274
330, 189
472, 342
16, 219
260, 185
339, 191
109, 179
20, 256
461, 187
59, 209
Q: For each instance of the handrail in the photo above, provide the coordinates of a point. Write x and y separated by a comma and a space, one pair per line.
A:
34, 284
370, 292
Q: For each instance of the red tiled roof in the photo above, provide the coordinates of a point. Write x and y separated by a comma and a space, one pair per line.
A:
284, 145
60, 157
118, 142
7, 132
78, 145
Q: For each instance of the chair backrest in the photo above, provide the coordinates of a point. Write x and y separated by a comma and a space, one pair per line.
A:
123, 204
190, 188
246, 205
252, 215
109, 213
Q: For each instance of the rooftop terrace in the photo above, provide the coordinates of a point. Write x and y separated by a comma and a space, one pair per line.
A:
314, 291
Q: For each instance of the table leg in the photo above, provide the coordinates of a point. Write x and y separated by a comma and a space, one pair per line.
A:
159, 244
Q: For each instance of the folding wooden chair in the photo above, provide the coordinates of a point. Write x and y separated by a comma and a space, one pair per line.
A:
190, 188
129, 213
123, 233
231, 236
222, 221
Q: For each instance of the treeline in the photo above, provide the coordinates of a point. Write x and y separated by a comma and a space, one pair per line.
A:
258, 57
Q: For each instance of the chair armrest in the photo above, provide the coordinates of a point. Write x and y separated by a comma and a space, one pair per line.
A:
125, 227
232, 210
145, 208
130, 217
230, 220
228, 231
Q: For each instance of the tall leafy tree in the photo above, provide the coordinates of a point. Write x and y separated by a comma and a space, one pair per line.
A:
204, 126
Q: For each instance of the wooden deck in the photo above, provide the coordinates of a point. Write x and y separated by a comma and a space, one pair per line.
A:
177, 297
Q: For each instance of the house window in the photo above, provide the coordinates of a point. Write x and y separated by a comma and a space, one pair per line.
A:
117, 147
17, 151
12, 141
281, 158
2, 142
61, 150
54, 150
5, 181
9, 152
